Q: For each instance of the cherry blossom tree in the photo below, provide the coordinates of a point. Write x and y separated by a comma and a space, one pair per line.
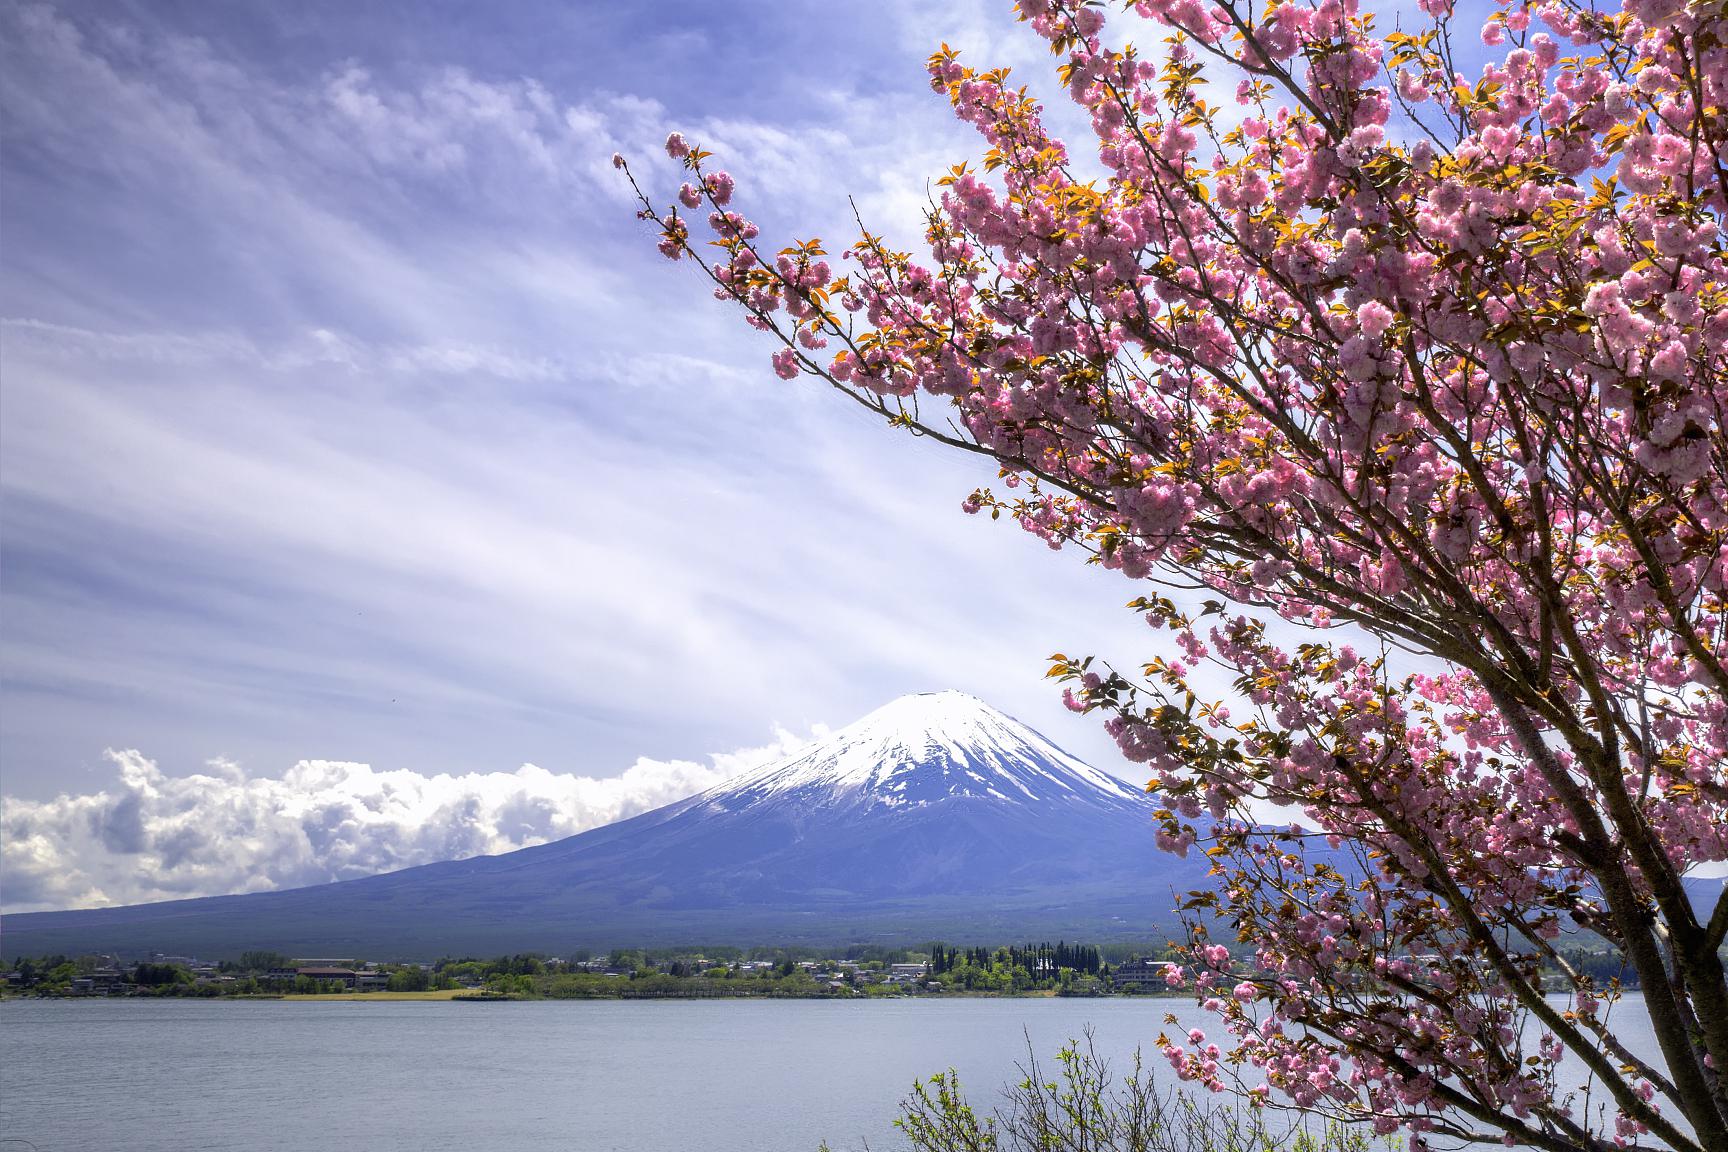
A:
1362, 364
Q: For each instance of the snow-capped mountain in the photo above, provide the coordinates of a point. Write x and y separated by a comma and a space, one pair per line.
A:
935, 815
922, 749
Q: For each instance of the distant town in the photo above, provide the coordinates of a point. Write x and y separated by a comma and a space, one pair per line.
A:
1060, 969
1041, 969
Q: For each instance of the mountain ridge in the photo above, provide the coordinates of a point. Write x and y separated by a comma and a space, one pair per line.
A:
934, 814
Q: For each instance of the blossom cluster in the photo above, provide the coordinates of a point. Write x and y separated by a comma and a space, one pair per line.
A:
1439, 357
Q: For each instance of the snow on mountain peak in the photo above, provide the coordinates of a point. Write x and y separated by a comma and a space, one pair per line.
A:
924, 748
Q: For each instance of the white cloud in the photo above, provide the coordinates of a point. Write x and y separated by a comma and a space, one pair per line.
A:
348, 407
152, 836
318, 348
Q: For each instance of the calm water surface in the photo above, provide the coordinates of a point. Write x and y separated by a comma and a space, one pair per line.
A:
596, 1076
636, 1076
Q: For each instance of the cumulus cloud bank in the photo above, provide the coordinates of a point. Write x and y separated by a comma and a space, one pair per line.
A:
153, 836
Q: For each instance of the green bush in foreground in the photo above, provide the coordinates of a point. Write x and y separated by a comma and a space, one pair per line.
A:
1080, 1106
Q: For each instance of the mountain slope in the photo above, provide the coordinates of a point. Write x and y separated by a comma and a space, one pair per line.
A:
935, 814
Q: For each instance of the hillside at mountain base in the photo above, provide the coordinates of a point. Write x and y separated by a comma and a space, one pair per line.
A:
934, 816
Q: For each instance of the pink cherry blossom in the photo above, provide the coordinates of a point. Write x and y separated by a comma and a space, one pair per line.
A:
1405, 360
786, 364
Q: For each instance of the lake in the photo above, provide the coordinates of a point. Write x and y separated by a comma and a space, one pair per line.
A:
588, 1076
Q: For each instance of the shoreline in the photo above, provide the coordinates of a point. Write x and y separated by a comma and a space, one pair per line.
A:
472, 995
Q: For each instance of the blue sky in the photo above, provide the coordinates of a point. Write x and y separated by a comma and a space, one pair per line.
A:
349, 416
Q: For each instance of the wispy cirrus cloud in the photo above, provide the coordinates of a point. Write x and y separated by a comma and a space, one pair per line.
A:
319, 348
348, 414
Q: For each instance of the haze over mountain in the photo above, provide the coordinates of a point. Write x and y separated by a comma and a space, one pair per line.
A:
934, 815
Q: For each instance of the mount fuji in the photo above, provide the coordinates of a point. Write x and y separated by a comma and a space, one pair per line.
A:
934, 815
